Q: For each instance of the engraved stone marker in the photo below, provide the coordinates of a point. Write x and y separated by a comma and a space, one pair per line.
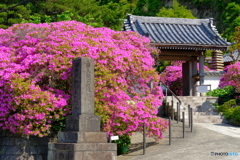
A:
83, 118
83, 86
82, 139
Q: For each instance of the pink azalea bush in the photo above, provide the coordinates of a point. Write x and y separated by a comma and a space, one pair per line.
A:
231, 77
35, 78
172, 77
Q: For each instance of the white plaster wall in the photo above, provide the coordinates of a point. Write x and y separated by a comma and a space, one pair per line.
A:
212, 80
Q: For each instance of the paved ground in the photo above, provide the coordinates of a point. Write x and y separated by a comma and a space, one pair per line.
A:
206, 139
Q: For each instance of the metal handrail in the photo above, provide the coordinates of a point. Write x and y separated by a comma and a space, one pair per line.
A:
160, 83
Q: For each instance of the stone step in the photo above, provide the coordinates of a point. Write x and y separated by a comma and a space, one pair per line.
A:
207, 119
205, 113
190, 99
202, 113
199, 114
203, 110
192, 104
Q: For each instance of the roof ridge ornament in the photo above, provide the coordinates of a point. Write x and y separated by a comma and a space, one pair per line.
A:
211, 22
130, 18
217, 35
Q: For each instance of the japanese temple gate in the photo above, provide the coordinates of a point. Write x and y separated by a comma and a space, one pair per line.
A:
180, 39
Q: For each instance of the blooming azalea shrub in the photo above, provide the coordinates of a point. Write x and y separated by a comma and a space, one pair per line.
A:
228, 93
35, 78
172, 77
231, 77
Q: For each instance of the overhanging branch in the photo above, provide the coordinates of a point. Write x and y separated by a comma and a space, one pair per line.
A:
9, 8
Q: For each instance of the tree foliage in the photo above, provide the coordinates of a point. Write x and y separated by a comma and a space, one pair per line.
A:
147, 7
87, 11
231, 18
224, 12
14, 15
176, 11
237, 38
109, 13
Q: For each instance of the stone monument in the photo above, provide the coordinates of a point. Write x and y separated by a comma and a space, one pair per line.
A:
82, 139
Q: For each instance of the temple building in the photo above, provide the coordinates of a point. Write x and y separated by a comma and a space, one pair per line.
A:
181, 39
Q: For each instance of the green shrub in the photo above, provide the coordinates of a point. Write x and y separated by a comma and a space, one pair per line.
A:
236, 114
224, 94
228, 113
221, 91
227, 105
123, 144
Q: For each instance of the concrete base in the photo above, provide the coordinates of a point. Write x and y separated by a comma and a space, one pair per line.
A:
82, 140
82, 151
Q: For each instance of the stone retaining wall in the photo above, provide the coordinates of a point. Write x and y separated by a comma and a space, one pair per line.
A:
14, 147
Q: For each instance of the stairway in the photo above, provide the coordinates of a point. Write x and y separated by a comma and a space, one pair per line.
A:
203, 110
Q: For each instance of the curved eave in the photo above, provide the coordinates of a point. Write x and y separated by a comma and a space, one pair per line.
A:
190, 46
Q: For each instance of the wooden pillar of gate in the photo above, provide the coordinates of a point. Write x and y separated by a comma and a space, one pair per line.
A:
194, 72
188, 81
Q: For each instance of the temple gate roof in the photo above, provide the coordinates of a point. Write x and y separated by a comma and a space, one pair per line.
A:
177, 33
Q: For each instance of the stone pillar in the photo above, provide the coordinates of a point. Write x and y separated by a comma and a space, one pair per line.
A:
217, 61
82, 139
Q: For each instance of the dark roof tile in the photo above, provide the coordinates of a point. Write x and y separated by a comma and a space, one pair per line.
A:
184, 33
230, 57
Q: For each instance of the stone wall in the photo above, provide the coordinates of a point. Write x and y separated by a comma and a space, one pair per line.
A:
14, 147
